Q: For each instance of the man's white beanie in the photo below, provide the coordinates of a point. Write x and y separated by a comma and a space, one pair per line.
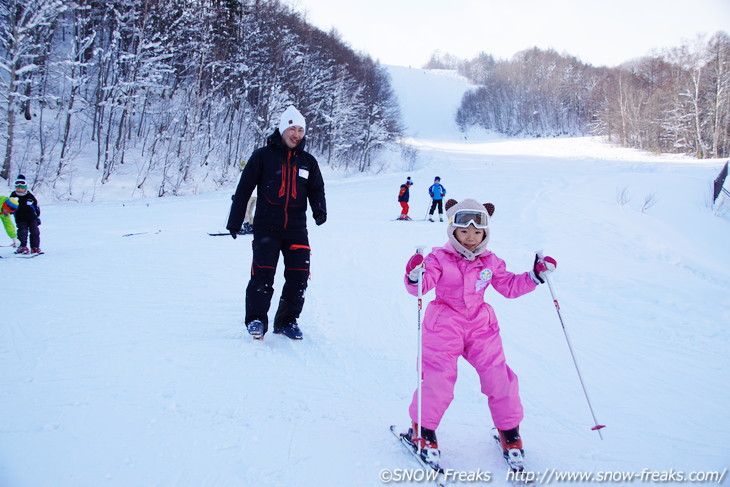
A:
290, 118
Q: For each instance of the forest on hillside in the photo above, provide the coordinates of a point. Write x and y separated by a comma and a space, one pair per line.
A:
184, 89
676, 101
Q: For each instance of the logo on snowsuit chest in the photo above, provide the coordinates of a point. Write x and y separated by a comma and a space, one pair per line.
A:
485, 275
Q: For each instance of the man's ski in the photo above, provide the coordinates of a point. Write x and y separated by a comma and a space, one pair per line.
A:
246, 230
222, 234
517, 473
141, 233
433, 472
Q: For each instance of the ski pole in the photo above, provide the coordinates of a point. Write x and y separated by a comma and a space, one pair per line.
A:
419, 367
597, 426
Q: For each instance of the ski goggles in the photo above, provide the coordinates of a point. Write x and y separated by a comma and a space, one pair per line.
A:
464, 218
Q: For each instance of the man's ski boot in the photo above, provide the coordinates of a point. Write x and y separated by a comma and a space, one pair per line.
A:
255, 329
426, 443
290, 330
512, 448
22, 250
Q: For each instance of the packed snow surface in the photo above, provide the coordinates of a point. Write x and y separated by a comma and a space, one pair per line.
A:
124, 360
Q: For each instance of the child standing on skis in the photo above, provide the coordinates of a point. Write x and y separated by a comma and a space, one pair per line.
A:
404, 194
458, 323
437, 192
27, 218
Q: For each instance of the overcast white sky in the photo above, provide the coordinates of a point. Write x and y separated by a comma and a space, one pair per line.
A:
599, 32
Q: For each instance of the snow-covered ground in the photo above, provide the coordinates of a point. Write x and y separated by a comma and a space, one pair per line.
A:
124, 361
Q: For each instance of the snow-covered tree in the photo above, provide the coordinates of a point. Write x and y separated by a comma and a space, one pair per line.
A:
26, 27
190, 88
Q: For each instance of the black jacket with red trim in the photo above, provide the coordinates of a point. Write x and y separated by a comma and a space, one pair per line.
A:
284, 180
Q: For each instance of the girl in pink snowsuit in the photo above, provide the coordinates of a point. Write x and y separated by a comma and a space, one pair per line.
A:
458, 323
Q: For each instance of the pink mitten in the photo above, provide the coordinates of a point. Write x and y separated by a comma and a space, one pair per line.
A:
415, 261
413, 267
543, 266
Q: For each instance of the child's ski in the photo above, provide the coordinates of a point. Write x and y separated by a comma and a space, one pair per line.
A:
25, 256
517, 474
433, 472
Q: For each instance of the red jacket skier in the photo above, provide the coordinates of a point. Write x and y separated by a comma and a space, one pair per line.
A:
404, 195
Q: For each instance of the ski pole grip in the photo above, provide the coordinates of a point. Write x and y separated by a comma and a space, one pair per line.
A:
420, 248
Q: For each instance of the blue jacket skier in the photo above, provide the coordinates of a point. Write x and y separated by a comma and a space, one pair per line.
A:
437, 193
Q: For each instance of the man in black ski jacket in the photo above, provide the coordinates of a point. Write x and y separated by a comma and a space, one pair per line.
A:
285, 178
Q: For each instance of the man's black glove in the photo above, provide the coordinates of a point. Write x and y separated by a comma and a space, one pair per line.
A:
320, 218
234, 234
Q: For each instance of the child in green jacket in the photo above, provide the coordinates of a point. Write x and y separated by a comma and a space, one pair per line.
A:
7, 208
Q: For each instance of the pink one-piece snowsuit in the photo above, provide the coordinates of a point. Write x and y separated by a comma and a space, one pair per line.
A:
459, 323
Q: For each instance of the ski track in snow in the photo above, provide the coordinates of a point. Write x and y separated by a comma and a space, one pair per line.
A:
124, 361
